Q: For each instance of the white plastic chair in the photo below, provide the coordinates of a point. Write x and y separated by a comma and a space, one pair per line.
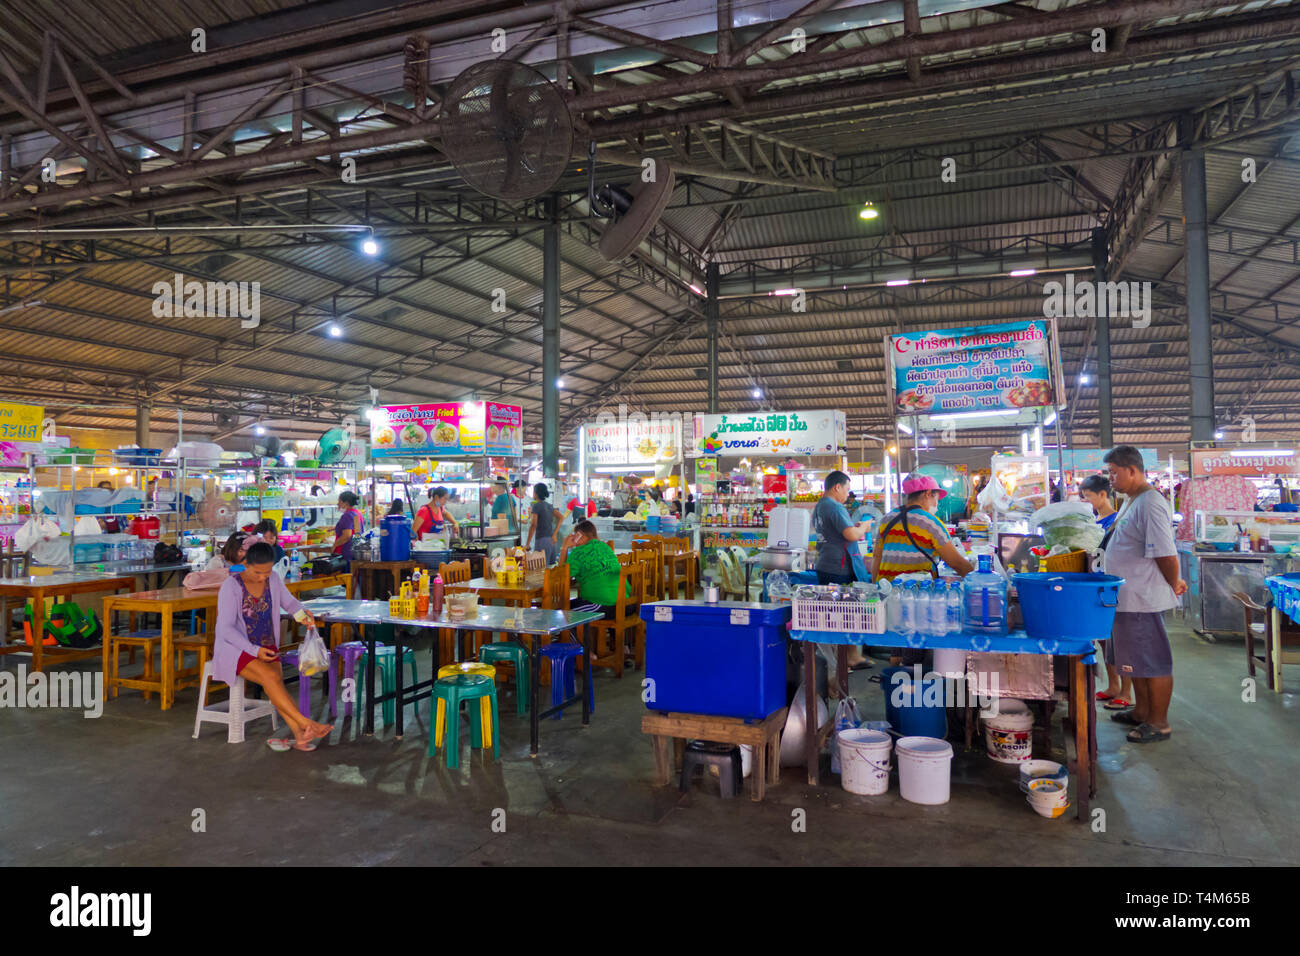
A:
733, 578
234, 713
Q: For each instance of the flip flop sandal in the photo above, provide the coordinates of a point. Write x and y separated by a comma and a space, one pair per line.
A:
280, 744
860, 666
1102, 695
1146, 734
308, 746
1119, 703
1126, 717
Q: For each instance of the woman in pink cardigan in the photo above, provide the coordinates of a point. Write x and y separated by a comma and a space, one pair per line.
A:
247, 643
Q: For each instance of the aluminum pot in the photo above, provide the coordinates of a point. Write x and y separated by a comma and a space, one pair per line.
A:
781, 558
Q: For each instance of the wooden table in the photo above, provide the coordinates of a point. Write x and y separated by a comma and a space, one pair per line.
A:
169, 602
523, 594
363, 569
1082, 724
764, 736
60, 584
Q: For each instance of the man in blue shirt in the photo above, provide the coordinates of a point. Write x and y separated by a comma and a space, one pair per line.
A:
835, 533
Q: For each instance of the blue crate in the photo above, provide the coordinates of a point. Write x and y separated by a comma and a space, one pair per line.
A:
701, 663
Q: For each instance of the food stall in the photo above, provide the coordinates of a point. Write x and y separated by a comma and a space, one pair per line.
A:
755, 462
629, 449
1226, 546
459, 445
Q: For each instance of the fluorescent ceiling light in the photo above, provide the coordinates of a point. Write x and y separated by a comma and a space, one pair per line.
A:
1050, 418
905, 429
1262, 452
696, 289
784, 292
898, 282
993, 412
1022, 272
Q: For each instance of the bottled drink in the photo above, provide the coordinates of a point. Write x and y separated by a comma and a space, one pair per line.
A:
435, 595
893, 609
984, 599
938, 609
907, 608
952, 607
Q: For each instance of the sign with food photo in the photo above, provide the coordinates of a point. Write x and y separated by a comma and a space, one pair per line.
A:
445, 429
985, 368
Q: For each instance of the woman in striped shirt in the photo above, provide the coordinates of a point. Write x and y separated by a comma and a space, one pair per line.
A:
913, 539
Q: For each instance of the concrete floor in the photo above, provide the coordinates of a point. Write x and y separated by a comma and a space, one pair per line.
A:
123, 790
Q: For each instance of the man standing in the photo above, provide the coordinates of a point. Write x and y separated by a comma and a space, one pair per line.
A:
835, 531
1140, 549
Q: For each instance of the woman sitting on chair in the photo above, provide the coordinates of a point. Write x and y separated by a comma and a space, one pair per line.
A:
247, 642
594, 567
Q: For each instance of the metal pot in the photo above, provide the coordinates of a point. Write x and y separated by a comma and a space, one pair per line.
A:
782, 557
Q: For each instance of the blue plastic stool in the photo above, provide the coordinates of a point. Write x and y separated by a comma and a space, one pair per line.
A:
385, 660
564, 681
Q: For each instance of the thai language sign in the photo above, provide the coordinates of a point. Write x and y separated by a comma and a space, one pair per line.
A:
446, 429
21, 422
1260, 463
985, 368
634, 441
771, 433
1090, 459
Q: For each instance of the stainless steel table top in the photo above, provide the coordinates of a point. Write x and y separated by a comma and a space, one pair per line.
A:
517, 620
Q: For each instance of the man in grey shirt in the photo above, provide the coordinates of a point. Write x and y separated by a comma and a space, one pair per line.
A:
1140, 549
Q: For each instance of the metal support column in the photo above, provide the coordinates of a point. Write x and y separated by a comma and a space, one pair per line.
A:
1105, 432
1196, 255
711, 314
142, 413
551, 341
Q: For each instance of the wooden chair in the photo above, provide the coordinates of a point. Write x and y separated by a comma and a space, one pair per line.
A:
626, 559
611, 636
456, 572
453, 574
1250, 608
557, 588
652, 564
535, 561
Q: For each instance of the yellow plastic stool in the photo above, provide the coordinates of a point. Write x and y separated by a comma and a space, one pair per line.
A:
467, 667
450, 693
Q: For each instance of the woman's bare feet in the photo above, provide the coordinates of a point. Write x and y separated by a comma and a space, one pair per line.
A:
317, 731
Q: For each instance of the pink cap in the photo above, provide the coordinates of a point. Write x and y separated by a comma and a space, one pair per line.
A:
917, 483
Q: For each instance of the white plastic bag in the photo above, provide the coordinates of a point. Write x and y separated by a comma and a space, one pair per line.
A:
846, 718
313, 655
792, 736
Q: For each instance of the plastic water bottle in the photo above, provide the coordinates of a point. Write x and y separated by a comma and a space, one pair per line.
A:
778, 587
922, 612
952, 606
907, 608
984, 599
938, 609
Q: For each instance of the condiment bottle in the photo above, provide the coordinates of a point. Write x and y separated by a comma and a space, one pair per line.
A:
435, 597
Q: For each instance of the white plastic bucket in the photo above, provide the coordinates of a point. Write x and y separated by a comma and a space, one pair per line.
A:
864, 760
1008, 737
924, 769
950, 662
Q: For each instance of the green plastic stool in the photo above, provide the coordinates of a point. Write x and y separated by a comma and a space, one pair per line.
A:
385, 657
512, 653
444, 729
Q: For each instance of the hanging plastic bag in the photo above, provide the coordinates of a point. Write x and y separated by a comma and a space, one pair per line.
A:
846, 718
792, 735
313, 655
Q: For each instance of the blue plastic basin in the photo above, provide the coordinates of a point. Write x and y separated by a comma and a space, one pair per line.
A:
1061, 605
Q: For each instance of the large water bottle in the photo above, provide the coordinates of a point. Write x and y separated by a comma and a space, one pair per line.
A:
938, 609
923, 608
952, 608
907, 608
778, 587
984, 599
893, 601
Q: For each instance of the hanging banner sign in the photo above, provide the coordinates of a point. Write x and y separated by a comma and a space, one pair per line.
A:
446, 429
1218, 461
1090, 459
706, 474
773, 433
635, 441
21, 422
983, 368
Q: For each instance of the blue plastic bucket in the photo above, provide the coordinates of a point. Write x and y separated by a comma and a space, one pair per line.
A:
1061, 605
652, 524
908, 714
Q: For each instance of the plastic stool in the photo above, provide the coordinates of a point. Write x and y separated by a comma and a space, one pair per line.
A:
706, 753
290, 658
450, 693
467, 667
511, 653
385, 659
234, 713
346, 656
564, 681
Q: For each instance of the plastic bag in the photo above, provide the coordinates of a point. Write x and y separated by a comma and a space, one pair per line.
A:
846, 718
313, 655
792, 735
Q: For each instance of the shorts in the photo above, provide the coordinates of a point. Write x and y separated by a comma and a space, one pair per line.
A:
244, 660
1139, 645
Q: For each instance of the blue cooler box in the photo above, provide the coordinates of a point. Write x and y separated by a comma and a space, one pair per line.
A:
725, 659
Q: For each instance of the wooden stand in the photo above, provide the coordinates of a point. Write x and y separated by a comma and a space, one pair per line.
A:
764, 736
